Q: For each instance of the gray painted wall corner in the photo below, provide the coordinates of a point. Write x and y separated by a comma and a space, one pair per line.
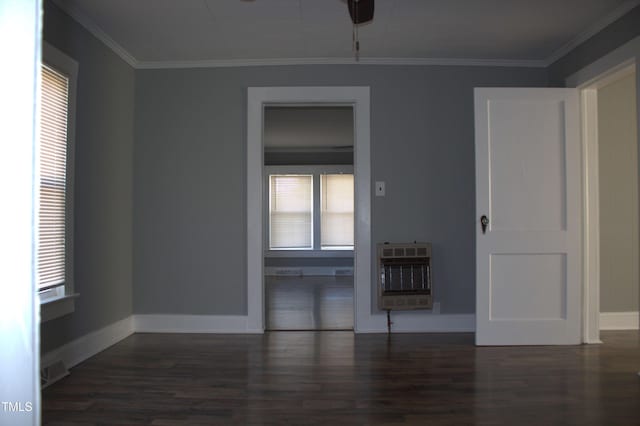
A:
103, 182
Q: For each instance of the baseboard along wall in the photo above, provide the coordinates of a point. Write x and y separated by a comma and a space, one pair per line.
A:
619, 320
95, 342
85, 347
73, 353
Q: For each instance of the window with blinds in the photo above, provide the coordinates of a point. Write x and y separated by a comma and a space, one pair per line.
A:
52, 170
290, 212
336, 212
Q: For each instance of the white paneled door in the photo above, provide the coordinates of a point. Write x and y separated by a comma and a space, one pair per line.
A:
529, 216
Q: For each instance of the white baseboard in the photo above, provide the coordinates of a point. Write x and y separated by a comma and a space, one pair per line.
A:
619, 320
191, 324
89, 345
73, 353
420, 322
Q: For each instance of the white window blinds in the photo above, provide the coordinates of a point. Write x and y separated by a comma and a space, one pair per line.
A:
291, 212
336, 211
52, 171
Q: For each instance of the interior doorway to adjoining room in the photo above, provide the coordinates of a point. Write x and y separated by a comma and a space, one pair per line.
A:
308, 217
358, 97
610, 146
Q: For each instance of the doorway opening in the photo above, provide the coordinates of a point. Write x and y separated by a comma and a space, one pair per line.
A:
308, 217
612, 277
258, 99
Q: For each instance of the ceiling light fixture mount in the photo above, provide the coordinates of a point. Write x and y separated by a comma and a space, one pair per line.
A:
361, 11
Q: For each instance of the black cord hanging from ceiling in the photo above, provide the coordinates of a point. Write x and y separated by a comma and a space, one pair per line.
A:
361, 11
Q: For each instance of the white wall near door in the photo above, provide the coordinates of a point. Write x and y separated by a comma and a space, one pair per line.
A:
19, 306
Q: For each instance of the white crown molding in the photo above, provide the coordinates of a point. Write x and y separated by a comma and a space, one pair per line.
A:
98, 32
95, 29
80, 17
225, 63
609, 19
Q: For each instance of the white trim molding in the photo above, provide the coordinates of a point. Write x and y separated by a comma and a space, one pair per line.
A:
403, 322
56, 307
60, 301
221, 324
225, 63
79, 16
620, 320
77, 351
615, 64
85, 347
591, 218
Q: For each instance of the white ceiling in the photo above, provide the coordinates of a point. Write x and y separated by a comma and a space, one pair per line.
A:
150, 33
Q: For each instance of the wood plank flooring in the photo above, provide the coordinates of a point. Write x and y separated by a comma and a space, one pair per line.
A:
338, 378
309, 303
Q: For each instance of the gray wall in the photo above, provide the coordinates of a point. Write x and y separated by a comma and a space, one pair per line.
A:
618, 169
187, 172
103, 182
190, 184
621, 31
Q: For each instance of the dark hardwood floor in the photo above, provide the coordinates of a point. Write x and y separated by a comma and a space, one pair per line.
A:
338, 378
309, 303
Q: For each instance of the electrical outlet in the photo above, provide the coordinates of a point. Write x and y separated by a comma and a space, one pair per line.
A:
380, 189
436, 308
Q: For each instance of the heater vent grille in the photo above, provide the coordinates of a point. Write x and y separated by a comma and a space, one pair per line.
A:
404, 276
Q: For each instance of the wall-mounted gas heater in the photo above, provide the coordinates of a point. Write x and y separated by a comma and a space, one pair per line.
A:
404, 276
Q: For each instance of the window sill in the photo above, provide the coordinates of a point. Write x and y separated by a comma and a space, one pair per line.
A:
308, 253
57, 306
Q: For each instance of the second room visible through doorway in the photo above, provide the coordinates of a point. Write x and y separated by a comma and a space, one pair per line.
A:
308, 217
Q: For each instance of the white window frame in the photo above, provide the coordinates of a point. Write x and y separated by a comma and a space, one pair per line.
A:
311, 229
316, 171
60, 301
